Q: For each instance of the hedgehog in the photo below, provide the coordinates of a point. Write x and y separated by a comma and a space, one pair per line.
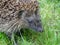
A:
18, 14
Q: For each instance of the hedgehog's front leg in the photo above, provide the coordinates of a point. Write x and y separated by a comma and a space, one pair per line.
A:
11, 36
14, 42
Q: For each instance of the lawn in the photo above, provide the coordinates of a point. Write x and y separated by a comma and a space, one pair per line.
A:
50, 17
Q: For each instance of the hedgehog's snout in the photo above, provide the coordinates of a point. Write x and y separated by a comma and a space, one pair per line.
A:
32, 21
36, 25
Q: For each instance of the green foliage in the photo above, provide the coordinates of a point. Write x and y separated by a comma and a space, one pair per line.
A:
50, 16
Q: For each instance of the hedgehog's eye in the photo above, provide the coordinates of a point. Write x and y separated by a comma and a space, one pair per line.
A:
28, 15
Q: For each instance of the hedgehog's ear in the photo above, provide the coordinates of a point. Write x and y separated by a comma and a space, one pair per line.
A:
20, 13
37, 11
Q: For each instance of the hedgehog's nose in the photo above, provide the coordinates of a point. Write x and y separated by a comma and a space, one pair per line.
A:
39, 29
38, 26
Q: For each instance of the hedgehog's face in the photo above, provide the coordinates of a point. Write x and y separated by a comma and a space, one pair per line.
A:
32, 20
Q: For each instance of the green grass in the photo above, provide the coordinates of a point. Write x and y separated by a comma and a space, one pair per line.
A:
50, 16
